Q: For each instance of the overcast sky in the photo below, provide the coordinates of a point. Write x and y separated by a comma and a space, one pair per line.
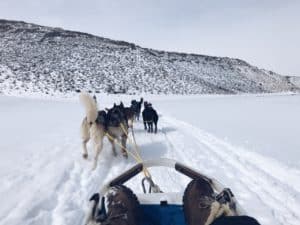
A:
266, 33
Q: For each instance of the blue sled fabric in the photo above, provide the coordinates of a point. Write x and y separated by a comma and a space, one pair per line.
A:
162, 215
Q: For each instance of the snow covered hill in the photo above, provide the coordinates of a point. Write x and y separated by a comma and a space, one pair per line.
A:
45, 180
49, 60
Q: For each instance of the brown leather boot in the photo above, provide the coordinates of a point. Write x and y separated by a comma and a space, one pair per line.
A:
123, 207
197, 200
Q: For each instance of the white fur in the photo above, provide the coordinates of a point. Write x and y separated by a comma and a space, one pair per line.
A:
90, 106
130, 122
85, 135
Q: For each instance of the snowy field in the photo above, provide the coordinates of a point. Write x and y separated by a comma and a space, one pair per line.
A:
249, 143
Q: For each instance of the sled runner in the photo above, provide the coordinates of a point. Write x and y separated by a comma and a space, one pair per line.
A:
117, 204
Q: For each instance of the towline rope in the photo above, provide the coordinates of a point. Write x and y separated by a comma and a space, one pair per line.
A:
136, 149
137, 157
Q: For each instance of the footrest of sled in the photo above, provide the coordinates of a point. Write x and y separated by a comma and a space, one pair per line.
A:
190, 173
127, 175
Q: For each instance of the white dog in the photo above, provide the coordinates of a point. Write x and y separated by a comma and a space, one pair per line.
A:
92, 129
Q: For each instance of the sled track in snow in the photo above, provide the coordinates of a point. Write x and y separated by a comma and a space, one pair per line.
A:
204, 151
265, 194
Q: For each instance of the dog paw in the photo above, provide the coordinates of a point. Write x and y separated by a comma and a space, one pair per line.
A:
85, 155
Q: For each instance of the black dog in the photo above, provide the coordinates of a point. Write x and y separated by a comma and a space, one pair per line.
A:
130, 114
150, 116
113, 117
137, 106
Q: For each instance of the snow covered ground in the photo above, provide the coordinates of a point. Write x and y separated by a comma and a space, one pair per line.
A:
249, 143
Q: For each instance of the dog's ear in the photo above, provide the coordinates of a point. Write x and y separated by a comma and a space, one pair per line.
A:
121, 104
115, 105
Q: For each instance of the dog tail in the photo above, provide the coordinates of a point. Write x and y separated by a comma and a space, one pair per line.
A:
90, 106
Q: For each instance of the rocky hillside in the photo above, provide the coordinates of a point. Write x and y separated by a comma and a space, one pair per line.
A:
50, 60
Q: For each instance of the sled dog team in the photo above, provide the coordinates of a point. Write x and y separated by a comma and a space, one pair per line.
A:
200, 205
113, 123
